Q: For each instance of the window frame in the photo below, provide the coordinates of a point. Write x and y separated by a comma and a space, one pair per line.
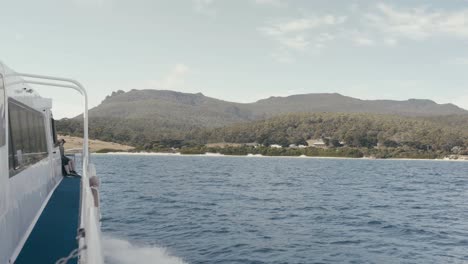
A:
33, 149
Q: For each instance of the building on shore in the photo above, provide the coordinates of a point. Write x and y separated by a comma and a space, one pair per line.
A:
317, 143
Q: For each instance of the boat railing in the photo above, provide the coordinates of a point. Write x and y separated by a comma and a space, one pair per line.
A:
89, 235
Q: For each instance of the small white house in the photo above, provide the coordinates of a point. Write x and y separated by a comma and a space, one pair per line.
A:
276, 146
318, 143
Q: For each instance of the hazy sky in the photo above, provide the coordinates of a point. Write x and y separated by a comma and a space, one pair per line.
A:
242, 50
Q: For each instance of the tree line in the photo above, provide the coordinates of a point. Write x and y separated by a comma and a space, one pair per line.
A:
337, 130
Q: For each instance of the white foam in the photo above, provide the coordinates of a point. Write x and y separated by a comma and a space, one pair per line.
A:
143, 153
119, 251
214, 154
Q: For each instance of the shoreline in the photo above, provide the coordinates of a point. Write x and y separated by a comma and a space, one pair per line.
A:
178, 154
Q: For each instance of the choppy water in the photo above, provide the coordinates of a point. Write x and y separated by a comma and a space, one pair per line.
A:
161, 209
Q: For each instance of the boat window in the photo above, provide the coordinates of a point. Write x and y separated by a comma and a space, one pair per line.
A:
54, 131
2, 113
11, 156
27, 136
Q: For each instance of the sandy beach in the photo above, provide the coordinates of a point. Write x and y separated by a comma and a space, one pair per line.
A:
76, 143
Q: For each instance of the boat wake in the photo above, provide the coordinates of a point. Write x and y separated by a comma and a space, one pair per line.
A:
119, 251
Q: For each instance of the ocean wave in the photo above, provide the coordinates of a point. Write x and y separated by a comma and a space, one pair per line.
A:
120, 251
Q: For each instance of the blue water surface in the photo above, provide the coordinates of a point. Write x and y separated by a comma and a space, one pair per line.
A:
288, 210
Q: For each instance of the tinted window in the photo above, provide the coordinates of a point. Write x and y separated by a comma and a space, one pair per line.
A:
2, 113
54, 131
27, 136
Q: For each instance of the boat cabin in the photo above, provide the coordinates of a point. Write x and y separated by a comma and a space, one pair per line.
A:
44, 216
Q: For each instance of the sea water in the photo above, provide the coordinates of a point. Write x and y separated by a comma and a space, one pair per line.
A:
195, 209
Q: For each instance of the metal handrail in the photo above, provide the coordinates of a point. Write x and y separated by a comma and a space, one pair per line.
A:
76, 86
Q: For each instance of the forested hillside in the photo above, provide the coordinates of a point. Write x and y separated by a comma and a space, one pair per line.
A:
353, 130
153, 119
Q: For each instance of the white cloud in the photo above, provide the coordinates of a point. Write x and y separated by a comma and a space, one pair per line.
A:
302, 33
302, 24
275, 3
390, 41
324, 37
418, 23
376, 25
298, 26
363, 41
19, 36
175, 79
92, 3
204, 7
459, 61
282, 56
298, 42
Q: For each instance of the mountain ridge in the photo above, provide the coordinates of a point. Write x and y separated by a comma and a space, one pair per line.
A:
199, 94
145, 103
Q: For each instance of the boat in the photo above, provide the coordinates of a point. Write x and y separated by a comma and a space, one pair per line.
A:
44, 216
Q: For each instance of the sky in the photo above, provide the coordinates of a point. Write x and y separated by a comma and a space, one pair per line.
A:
241, 50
